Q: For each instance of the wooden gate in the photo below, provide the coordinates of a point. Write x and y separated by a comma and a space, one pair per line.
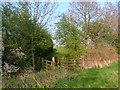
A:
47, 64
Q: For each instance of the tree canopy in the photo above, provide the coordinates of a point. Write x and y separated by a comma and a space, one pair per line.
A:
22, 30
69, 35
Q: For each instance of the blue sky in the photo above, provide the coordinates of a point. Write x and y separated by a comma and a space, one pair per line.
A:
62, 8
59, 0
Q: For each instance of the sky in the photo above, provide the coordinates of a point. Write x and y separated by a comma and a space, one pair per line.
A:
62, 8
57, 0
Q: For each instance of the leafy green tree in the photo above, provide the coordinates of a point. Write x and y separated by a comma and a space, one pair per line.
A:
69, 35
98, 33
20, 29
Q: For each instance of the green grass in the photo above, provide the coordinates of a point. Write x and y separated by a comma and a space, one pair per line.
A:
106, 77
59, 51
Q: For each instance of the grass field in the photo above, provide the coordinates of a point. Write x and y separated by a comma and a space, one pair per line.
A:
60, 51
106, 77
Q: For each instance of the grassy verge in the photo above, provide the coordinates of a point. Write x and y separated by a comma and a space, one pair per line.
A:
60, 78
106, 77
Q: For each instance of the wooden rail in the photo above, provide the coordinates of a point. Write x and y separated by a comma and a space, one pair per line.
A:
47, 64
67, 64
71, 65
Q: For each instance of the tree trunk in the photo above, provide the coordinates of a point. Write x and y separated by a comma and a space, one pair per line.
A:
33, 60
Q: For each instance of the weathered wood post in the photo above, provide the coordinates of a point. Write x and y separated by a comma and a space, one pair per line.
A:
53, 63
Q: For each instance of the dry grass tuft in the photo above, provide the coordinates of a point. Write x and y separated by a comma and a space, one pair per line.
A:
99, 57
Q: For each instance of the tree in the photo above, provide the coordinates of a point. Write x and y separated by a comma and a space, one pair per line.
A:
42, 12
95, 21
84, 13
99, 33
110, 20
21, 29
69, 35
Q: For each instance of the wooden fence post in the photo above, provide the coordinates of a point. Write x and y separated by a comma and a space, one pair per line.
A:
53, 63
